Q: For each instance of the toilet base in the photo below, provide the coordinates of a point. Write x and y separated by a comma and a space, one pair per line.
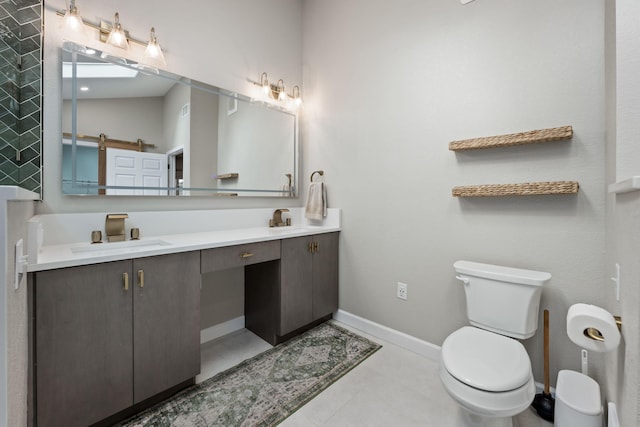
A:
468, 419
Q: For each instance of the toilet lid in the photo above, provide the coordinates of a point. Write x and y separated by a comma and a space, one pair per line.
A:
485, 360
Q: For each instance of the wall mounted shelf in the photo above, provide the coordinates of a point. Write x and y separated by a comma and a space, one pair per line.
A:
530, 137
228, 176
523, 189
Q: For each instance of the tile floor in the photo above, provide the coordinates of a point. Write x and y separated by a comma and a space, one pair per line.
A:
393, 387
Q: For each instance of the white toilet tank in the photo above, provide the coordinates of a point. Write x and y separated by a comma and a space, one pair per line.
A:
501, 299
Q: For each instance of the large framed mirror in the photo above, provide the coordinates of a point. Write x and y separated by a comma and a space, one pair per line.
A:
130, 130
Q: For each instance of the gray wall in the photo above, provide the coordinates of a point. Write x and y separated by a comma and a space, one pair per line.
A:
119, 118
204, 139
409, 77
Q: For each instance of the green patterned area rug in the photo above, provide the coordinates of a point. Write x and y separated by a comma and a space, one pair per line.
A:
266, 389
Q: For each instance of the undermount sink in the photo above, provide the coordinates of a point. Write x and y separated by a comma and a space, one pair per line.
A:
126, 246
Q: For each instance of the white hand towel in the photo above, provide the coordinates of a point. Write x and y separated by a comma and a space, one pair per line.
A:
316, 207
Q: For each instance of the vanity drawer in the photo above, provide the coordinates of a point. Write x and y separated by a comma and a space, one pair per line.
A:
239, 255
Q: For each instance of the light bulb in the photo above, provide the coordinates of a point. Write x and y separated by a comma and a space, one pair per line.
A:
117, 36
296, 100
282, 94
73, 21
72, 25
153, 53
266, 88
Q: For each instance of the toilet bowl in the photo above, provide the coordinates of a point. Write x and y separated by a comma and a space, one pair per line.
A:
484, 367
488, 374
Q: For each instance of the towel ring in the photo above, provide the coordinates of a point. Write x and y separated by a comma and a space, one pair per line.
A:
321, 173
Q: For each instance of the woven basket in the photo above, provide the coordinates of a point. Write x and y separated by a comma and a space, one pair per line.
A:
524, 189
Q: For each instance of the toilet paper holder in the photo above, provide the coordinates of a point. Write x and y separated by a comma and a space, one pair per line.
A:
596, 335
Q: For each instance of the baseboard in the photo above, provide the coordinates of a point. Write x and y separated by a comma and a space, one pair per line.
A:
221, 329
411, 343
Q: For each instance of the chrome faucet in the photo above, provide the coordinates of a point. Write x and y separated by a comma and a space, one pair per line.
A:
277, 220
114, 227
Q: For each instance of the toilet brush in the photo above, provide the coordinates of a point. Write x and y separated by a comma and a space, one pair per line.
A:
543, 402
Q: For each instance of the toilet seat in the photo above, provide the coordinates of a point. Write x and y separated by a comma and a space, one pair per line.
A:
474, 360
487, 403
485, 360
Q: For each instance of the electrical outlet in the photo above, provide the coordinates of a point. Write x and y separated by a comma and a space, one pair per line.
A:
402, 290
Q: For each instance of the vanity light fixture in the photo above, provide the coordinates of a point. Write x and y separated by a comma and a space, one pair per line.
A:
74, 28
153, 55
117, 37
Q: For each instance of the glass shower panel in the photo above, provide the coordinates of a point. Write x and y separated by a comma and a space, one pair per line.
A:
20, 93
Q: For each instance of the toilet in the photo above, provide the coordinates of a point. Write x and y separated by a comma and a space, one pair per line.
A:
483, 366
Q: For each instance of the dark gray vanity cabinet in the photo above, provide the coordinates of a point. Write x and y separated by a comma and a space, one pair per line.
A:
302, 288
83, 344
166, 322
110, 335
309, 280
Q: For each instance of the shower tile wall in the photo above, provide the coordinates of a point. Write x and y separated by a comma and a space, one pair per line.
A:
20, 93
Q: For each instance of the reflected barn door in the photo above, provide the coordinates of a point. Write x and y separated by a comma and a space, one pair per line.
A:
127, 168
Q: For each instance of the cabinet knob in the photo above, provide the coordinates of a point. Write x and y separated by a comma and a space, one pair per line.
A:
125, 281
316, 245
141, 278
246, 255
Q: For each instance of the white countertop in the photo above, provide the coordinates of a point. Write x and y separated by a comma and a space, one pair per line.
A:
70, 254
59, 256
12, 192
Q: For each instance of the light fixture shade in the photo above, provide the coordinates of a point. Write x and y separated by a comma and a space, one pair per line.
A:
72, 25
117, 37
295, 102
153, 55
265, 87
282, 93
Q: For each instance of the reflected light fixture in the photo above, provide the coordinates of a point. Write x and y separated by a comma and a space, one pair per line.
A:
153, 53
278, 93
282, 94
117, 36
296, 99
264, 84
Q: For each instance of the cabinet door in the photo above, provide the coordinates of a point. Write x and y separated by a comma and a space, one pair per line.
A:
83, 344
325, 274
295, 286
166, 324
